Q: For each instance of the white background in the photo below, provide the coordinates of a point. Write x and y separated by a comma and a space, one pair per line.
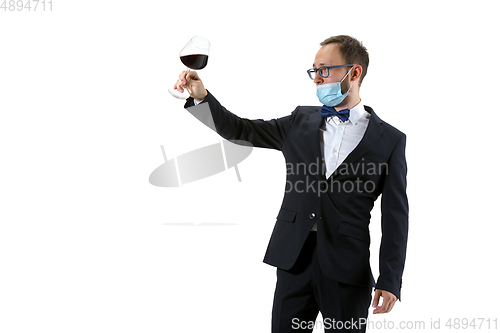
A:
85, 240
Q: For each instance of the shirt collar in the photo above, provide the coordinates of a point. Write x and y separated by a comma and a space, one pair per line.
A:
356, 113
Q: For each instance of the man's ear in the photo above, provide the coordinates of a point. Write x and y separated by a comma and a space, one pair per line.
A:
356, 72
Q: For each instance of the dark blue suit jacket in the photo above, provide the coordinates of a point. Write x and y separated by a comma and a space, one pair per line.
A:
339, 205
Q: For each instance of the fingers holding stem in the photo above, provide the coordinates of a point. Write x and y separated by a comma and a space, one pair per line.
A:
181, 83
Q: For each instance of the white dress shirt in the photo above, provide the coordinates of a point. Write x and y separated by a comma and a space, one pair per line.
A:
338, 139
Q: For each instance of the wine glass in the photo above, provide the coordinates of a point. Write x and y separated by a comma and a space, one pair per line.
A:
195, 56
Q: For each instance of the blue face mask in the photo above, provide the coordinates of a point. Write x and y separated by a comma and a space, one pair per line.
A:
330, 94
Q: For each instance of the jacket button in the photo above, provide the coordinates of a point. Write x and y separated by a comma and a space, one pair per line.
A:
323, 186
312, 216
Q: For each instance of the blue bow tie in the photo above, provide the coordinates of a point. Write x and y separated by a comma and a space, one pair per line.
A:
327, 111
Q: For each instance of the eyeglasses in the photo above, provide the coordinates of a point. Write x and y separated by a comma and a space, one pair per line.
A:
324, 71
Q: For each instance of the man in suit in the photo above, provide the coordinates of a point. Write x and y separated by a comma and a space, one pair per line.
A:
340, 157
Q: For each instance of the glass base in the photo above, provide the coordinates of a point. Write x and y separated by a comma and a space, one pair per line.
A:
177, 94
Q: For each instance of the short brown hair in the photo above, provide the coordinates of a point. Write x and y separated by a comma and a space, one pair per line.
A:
352, 50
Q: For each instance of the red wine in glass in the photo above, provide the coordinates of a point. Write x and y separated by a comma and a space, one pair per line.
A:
195, 61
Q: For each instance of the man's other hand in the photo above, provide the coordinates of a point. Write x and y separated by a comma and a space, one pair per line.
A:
389, 299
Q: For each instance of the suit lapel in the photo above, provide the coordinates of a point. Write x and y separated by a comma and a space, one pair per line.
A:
372, 133
313, 134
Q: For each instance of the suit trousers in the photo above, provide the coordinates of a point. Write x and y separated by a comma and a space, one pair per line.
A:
303, 291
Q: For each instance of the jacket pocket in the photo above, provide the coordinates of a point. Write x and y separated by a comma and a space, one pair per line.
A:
286, 215
374, 157
353, 231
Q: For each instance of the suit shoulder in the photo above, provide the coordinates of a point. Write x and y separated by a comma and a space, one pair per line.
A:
388, 127
306, 109
393, 130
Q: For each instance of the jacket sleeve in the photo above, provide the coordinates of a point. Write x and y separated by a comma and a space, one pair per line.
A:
258, 133
394, 223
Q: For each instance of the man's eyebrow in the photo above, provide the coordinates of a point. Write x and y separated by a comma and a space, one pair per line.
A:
320, 64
